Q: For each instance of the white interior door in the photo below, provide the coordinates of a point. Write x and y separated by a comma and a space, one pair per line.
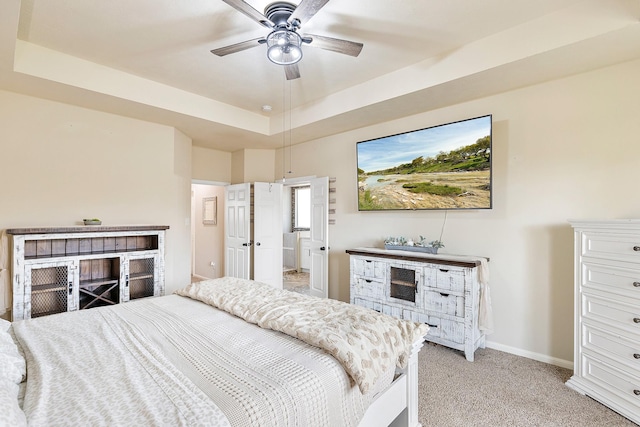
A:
267, 233
237, 237
319, 271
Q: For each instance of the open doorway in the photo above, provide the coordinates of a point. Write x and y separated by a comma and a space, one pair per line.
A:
296, 227
313, 241
207, 230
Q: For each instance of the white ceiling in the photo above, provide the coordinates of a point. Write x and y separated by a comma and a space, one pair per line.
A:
150, 59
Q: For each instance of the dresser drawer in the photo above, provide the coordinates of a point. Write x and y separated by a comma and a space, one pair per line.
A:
363, 302
606, 343
452, 331
612, 380
615, 246
449, 279
612, 312
443, 329
368, 288
392, 310
611, 278
444, 303
432, 321
369, 268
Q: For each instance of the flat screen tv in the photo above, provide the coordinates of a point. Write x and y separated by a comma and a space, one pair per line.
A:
440, 167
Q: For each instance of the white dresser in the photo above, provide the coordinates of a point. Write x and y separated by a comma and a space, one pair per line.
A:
607, 314
442, 291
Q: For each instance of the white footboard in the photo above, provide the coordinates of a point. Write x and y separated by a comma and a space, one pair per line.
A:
398, 404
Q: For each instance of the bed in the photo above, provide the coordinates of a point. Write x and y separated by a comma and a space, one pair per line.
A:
223, 352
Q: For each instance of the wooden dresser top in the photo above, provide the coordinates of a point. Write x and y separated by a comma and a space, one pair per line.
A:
85, 229
448, 259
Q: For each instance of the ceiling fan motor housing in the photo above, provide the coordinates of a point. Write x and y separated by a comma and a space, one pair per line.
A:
279, 13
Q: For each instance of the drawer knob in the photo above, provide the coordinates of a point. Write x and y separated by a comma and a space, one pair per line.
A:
636, 319
636, 248
636, 355
636, 392
636, 284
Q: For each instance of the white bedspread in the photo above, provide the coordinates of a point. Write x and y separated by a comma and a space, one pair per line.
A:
165, 361
366, 343
90, 368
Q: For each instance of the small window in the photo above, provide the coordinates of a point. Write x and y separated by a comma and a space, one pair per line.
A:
301, 212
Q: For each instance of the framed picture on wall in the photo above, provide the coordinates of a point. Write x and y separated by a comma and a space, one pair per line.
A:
210, 210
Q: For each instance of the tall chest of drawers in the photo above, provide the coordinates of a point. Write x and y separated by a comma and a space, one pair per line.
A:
607, 314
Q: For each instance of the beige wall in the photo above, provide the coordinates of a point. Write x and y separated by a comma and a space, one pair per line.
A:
61, 163
211, 165
563, 149
253, 165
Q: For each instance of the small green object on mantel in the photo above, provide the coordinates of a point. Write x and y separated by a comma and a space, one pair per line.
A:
92, 221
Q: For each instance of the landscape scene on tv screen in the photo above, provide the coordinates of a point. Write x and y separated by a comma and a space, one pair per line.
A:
441, 167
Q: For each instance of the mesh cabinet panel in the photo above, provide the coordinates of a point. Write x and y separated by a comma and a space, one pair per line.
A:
49, 290
403, 275
403, 284
141, 280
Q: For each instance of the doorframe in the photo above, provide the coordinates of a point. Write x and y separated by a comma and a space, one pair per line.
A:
192, 222
297, 182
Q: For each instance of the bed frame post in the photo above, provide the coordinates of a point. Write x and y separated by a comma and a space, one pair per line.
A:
409, 416
412, 385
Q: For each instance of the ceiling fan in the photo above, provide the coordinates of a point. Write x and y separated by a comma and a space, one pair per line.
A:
284, 43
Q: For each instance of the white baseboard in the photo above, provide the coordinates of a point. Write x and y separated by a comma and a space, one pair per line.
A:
531, 355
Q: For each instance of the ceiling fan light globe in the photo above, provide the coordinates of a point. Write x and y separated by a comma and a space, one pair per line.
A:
286, 55
284, 47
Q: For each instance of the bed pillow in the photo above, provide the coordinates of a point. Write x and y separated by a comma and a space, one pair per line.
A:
10, 412
12, 364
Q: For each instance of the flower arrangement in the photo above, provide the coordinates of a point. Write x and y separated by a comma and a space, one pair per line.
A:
421, 245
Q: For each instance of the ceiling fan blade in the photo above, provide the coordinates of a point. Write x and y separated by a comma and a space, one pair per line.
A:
245, 8
291, 71
222, 51
306, 9
336, 45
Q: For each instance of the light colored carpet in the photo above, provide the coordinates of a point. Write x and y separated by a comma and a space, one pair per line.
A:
501, 389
